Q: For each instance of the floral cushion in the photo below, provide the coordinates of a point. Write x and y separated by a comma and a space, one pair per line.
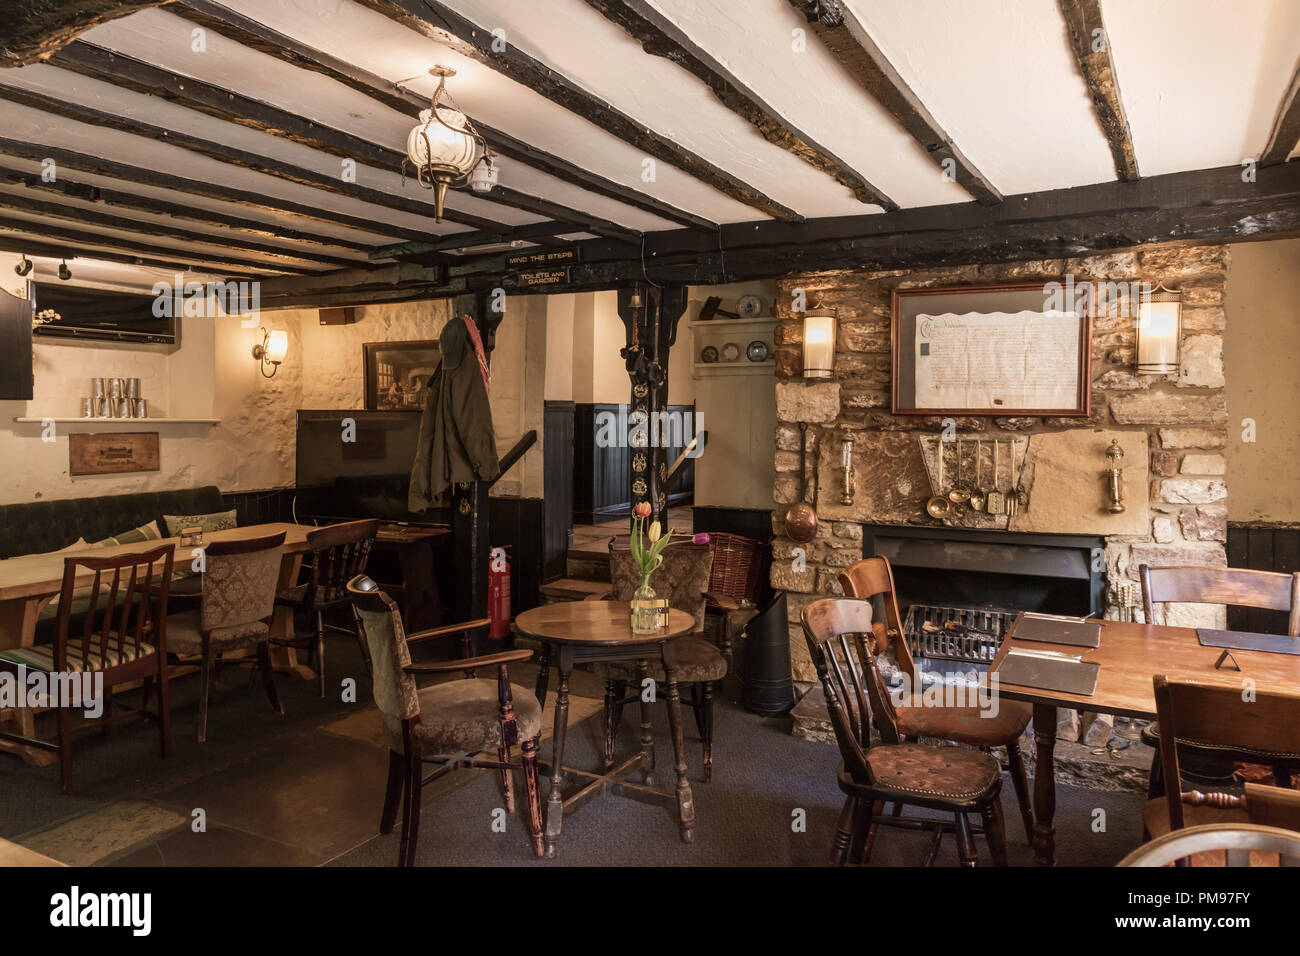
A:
184, 635
464, 716
217, 521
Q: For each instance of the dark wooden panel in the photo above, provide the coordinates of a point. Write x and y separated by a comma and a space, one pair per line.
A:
602, 476
516, 524
260, 507
15, 347
1262, 548
558, 469
748, 522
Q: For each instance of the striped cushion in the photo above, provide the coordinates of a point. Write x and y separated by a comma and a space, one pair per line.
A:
41, 658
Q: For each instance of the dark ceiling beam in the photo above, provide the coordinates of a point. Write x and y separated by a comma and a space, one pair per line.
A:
86, 59
659, 36
50, 232
436, 21
241, 158
1285, 134
1195, 207
81, 162
37, 247
850, 43
32, 29
172, 210
534, 233
167, 231
1091, 45
262, 39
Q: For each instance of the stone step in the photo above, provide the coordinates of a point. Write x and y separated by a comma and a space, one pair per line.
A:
572, 589
588, 565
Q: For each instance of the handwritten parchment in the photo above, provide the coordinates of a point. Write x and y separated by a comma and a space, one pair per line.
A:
997, 360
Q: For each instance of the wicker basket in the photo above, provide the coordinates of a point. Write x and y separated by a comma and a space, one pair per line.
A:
739, 566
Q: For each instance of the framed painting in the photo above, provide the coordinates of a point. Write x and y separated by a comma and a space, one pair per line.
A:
397, 374
992, 350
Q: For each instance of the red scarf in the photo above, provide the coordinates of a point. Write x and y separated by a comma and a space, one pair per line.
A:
478, 349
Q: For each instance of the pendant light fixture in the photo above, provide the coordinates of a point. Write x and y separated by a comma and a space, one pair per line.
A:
445, 148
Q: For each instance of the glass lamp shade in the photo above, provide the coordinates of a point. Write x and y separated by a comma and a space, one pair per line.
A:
277, 346
442, 147
818, 343
1158, 331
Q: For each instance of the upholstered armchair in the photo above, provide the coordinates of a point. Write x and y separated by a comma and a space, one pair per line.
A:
683, 579
448, 723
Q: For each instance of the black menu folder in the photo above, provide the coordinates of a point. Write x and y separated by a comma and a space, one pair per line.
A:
1046, 673
1247, 641
1056, 630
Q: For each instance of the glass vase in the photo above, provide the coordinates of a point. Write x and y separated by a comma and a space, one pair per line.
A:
645, 615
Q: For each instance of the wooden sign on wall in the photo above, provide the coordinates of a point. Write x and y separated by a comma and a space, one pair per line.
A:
106, 453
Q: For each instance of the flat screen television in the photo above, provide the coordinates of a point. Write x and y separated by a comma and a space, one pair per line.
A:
100, 314
357, 464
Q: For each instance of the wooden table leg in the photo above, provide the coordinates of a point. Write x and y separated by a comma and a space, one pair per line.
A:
285, 659
555, 801
647, 738
18, 629
1044, 785
685, 802
543, 674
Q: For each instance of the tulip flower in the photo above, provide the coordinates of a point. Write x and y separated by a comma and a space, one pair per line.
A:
655, 532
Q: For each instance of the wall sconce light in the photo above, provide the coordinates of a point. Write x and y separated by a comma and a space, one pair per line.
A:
819, 342
1159, 329
270, 352
24, 266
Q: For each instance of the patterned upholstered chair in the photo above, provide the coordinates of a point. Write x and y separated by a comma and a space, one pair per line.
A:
237, 604
447, 723
683, 579
952, 780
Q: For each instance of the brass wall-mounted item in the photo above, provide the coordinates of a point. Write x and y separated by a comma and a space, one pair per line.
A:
1115, 478
846, 462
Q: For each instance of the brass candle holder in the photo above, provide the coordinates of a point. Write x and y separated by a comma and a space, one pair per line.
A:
1115, 478
846, 463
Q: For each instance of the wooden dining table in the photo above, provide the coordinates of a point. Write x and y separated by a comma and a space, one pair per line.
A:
1129, 657
30, 582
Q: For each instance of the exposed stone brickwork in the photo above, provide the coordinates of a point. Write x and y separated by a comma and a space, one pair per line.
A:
1172, 428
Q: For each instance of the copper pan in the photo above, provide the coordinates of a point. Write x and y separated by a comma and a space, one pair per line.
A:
800, 519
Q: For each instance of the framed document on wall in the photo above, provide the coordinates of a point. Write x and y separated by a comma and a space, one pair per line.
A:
992, 350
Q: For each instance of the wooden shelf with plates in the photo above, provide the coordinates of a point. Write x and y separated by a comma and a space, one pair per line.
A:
718, 333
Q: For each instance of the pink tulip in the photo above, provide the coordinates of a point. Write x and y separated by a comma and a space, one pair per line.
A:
701, 538
643, 509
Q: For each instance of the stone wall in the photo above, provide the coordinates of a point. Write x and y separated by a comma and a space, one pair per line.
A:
1173, 429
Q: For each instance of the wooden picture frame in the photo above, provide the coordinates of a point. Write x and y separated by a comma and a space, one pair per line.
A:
981, 332
397, 374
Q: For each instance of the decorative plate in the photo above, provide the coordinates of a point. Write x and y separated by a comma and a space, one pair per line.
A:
756, 351
730, 352
708, 354
749, 306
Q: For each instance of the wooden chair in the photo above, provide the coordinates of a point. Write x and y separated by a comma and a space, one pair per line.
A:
1266, 806
683, 579
446, 723
237, 604
1214, 715
1237, 587
955, 780
123, 639
339, 553
872, 579
1237, 842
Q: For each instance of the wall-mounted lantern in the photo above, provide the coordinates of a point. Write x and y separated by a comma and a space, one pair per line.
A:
1159, 328
270, 352
819, 342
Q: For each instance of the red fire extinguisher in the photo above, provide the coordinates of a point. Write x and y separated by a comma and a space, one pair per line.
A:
498, 594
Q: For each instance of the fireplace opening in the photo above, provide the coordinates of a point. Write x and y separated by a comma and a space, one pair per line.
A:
959, 591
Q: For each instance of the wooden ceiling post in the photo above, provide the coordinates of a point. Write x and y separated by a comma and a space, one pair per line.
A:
650, 314
1091, 48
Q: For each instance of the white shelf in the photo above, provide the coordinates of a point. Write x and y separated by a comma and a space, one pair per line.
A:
733, 368
100, 422
761, 322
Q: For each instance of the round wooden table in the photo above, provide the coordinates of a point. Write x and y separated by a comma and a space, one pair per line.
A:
577, 632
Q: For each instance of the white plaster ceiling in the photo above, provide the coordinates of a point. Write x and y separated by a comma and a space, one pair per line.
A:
1201, 79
